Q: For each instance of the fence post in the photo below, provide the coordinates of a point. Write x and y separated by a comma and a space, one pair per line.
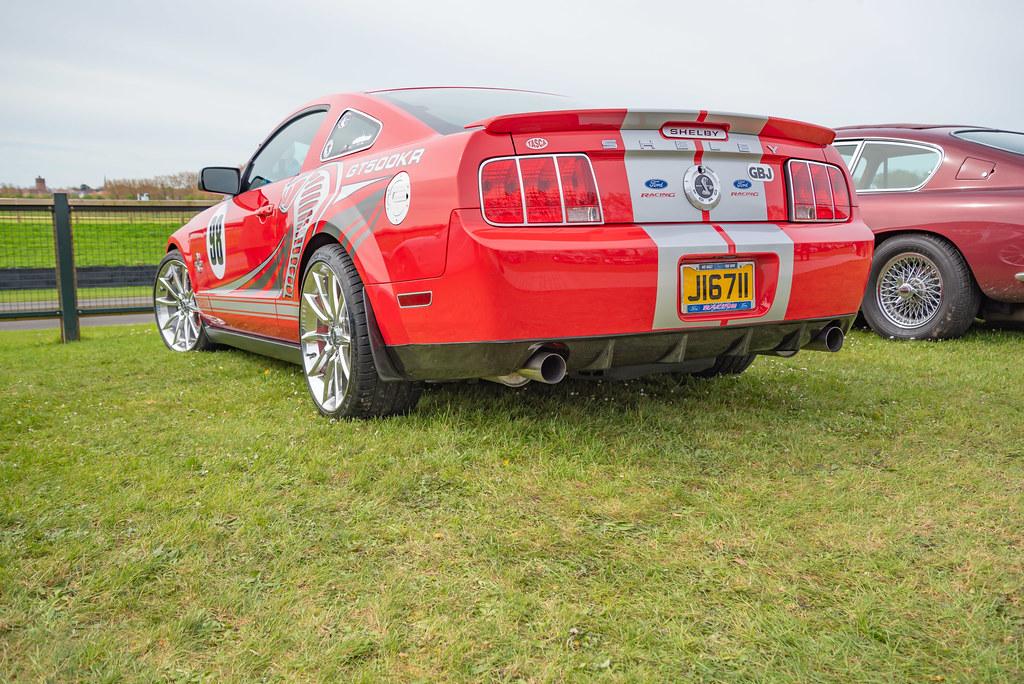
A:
64, 248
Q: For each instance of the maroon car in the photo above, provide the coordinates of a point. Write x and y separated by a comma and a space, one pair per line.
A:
946, 204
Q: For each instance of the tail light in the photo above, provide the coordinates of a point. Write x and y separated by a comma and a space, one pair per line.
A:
541, 189
840, 193
817, 192
501, 191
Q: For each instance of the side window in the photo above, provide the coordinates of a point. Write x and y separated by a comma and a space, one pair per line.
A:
354, 131
283, 155
894, 166
846, 151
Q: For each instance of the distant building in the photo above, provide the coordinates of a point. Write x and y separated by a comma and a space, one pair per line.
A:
40, 184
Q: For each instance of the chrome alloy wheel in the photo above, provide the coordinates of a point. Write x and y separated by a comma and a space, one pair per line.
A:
909, 290
325, 335
177, 315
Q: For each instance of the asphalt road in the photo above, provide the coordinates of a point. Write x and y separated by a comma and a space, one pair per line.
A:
84, 321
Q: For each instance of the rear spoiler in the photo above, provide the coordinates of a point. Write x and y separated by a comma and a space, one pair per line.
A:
643, 119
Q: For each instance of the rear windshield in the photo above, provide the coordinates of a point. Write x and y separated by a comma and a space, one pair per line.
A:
448, 110
1001, 140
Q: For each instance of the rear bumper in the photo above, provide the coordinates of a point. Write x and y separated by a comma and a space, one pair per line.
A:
507, 289
616, 356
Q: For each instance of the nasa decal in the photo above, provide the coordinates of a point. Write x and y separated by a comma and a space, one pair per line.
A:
702, 187
216, 247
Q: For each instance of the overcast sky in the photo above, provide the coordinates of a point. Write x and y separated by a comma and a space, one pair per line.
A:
131, 89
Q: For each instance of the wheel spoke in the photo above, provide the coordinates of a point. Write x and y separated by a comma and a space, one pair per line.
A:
337, 298
315, 335
321, 361
326, 390
180, 280
170, 289
339, 378
311, 300
177, 330
343, 351
318, 280
171, 319
342, 319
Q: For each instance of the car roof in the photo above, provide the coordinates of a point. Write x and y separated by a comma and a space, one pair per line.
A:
912, 127
451, 87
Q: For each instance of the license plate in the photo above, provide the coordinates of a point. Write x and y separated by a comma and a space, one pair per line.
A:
717, 286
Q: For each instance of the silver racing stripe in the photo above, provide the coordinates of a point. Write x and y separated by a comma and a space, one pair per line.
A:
676, 241
765, 237
747, 122
656, 166
737, 204
663, 163
246, 307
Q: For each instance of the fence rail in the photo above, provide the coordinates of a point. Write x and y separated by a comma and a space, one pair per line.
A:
109, 251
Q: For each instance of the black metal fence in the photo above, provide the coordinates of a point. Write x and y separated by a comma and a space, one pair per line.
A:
83, 257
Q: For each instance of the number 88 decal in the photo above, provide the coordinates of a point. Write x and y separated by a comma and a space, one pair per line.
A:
215, 248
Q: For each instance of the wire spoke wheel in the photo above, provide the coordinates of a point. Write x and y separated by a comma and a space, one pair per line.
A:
909, 290
325, 336
177, 315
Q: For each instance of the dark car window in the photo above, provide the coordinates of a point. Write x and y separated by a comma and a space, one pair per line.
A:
283, 155
894, 166
1007, 141
354, 131
448, 110
846, 151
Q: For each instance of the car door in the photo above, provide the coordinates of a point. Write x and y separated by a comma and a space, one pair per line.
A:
244, 243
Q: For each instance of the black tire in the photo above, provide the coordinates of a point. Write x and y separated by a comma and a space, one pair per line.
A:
367, 395
727, 365
958, 300
203, 342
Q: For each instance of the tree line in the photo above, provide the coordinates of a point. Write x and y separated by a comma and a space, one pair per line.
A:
175, 186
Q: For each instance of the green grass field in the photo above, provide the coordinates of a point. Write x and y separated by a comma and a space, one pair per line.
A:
113, 239
828, 518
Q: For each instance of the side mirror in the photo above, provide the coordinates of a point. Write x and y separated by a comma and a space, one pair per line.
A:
223, 180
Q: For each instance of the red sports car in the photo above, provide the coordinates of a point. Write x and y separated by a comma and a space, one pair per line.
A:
388, 238
946, 204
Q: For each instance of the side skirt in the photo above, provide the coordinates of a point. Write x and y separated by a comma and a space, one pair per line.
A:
256, 344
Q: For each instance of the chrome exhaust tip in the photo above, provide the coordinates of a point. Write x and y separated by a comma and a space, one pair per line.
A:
544, 366
830, 339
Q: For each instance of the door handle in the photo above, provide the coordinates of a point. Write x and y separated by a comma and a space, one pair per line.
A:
265, 211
